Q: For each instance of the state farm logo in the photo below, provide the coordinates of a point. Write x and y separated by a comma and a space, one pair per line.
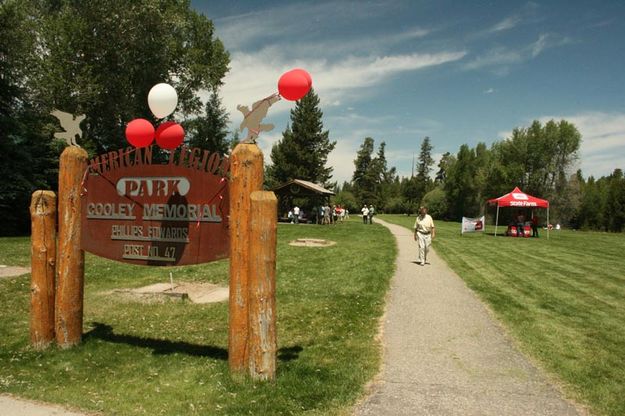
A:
520, 197
153, 186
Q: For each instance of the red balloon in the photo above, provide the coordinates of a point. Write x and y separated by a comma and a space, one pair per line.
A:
304, 73
140, 132
169, 135
293, 85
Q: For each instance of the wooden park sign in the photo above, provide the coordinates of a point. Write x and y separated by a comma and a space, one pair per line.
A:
132, 206
138, 210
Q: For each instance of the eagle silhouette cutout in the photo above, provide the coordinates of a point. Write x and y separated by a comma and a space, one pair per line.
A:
71, 125
252, 119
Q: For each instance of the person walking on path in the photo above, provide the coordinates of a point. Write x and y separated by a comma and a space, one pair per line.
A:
424, 232
445, 353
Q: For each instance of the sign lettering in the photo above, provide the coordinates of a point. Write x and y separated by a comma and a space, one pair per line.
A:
139, 211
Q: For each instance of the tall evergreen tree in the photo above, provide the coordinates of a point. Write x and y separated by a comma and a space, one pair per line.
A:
384, 177
303, 151
210, 131
425, 161
415, 188
364, 180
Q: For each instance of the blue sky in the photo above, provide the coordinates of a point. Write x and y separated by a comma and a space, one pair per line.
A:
458, 72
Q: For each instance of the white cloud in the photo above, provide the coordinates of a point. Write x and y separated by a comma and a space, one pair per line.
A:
539, 45
603, 140
547, 41
500, 58
295, 24
495, 57
254, 76
489, 91
603, 144
342, 159
506, 24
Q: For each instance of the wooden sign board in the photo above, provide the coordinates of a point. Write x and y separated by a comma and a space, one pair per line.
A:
136, 210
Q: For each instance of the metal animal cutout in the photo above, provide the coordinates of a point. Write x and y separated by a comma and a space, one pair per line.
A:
71, 125
252, 119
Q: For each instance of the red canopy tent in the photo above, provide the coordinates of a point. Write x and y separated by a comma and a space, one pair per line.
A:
519, 199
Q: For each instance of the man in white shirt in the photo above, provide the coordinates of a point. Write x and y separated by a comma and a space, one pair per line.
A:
365, 214
296, 214
424, 232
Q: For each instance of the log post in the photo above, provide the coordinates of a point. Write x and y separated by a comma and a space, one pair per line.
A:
43, 268
71, 259
246, 176
262, 285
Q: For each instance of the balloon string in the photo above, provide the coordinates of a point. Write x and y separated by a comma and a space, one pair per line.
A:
83, 183
217, 194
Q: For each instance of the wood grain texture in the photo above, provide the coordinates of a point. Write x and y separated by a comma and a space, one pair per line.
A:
246, 170
71, 259
262, 286
43, 268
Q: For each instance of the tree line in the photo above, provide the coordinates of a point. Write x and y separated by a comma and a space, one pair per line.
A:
539, 159
99, 59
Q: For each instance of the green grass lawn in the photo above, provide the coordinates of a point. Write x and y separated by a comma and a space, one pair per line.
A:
563, 299
171, 358
15, 251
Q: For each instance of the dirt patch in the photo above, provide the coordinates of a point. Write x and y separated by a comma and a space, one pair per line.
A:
312, 242
194, 292
12, 271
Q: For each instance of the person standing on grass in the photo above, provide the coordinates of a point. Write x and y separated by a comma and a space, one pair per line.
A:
365, 214
534, 226
424, 232
326, 214
371, 214
520, 224
296, 214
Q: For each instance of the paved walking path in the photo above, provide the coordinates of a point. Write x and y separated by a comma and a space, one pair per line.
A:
444, 354
11, 406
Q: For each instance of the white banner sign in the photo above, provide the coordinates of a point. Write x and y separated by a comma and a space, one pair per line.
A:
470, 225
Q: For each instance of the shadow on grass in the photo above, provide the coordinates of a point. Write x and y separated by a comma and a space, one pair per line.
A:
289, 353
105, 332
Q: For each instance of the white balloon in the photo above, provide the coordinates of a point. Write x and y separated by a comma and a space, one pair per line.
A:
162, 100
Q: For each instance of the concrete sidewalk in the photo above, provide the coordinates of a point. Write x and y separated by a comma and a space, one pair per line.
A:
12, 406
444, 354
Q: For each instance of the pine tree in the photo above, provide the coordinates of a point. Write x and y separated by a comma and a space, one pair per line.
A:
303, 151
425, 163
416, 187
210, 131
364, 178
